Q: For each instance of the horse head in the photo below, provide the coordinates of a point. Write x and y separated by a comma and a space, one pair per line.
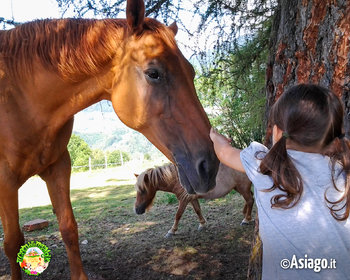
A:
154, 93
145, 193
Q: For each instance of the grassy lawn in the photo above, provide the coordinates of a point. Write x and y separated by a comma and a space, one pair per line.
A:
101, 202
123, 245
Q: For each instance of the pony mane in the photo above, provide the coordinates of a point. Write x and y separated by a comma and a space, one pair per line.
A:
160, 175
74, 48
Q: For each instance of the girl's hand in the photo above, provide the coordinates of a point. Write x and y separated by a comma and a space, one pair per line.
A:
218, 139
227, 154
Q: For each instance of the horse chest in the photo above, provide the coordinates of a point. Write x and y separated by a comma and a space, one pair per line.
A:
34, 151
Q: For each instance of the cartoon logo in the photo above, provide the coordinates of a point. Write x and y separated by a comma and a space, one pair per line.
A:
34, 258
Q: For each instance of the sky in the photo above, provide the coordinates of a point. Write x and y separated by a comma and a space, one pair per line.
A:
27, 10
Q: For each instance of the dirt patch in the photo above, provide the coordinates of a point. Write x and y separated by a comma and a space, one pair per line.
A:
122, 245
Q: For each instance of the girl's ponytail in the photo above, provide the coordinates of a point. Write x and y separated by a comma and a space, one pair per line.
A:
313, 117
339, 152
286, 177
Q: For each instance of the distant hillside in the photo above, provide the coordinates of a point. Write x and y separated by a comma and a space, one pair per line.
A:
100, 127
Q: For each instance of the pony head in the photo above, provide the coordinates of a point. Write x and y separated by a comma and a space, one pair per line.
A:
145, 193
150, 181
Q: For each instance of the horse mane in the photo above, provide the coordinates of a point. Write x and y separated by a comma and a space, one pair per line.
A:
160, 175
74, 48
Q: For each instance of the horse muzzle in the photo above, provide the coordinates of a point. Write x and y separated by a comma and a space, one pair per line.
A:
197, 176
140, 209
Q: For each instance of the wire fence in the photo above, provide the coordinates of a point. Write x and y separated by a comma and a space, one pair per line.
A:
91, 166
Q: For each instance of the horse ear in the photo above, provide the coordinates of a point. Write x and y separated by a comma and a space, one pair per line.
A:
135, 15
173, 27
136, 175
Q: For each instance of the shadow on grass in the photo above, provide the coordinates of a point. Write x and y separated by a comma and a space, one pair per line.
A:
119, 244
113, 180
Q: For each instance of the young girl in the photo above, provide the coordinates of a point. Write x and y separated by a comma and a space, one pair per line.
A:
302, 186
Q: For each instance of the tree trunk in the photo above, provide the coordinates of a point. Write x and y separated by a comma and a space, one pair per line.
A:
310, 43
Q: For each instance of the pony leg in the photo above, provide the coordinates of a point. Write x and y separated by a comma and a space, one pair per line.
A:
57, 178
197, 208
180, 211
13, 235
247, 211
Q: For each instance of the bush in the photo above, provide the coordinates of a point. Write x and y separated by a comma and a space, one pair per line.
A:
117, 157
79, 152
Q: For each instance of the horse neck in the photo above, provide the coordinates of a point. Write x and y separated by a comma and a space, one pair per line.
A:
174, 188
166, 187
64, 88
69, 98
162, 185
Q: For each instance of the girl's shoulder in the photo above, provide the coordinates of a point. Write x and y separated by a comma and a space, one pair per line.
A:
251, 158
256, 150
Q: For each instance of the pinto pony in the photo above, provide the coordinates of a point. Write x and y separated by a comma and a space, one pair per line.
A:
52, 69
165, 178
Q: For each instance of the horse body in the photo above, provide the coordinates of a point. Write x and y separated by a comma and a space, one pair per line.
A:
228, 179
165, 178
37, 108
36, 119
52, 69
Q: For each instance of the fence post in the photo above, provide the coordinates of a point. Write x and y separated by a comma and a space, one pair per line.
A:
90, 164
106, 161
121, 157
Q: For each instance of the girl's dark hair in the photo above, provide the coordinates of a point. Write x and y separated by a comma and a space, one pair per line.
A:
310, 116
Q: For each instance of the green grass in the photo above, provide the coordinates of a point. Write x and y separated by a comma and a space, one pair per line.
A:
165, 198
87, 204
101, 202
115, 234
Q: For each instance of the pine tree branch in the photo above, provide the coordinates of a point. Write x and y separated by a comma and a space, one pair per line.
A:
9, 21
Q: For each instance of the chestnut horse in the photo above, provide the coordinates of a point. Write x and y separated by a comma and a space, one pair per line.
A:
165, 178
52, 69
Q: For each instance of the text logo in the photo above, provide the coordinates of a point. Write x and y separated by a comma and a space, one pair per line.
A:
34, 258
316, 264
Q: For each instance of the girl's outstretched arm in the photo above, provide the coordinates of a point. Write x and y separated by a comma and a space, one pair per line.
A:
227, 154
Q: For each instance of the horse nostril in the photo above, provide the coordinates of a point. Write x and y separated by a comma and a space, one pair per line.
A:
202, 169
139, 210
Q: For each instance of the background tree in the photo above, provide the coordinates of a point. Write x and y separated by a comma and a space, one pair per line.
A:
310, 43
118, 157
233, 87
79, 151
98, 158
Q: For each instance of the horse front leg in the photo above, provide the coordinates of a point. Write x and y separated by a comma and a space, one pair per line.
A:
247, 211
10, 221
197, 208
180, 211
57, 178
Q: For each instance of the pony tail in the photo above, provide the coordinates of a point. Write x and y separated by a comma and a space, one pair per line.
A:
286, 177
339, 152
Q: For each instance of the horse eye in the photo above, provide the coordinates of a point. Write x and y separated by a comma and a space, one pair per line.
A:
153, 75
143, 192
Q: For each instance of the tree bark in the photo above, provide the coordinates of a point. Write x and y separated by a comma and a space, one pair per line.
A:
310, 43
